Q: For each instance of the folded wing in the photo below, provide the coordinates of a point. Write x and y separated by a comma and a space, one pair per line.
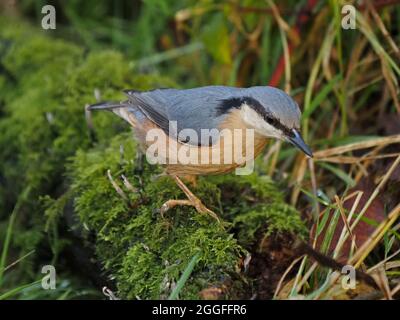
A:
194, 109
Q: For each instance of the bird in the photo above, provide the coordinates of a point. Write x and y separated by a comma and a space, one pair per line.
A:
181, 116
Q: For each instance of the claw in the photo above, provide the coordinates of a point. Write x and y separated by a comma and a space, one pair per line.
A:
192, 201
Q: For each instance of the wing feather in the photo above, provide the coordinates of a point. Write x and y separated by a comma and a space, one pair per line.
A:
195, 109
153, 110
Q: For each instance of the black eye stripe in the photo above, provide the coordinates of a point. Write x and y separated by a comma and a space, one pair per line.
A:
235, 103
277, 124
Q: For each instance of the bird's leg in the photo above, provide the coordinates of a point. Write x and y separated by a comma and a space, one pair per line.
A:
191, 201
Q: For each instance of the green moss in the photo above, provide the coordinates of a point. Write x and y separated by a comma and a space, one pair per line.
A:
146, 252
254, 203
139, 247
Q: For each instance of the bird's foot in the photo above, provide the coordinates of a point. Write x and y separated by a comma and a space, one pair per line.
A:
191, 201
200, 207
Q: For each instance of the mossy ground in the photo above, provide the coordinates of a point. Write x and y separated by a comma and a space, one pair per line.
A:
49, 157
146, 252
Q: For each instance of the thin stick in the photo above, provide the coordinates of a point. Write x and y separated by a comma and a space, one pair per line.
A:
116, 186
345, 221
357, 146
395, 290
381, 263
355, 160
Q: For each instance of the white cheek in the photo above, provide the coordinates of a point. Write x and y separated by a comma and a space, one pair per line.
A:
270, 131
251, 118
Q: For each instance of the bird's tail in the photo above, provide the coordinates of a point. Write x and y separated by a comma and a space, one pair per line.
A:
107, 105
121, 109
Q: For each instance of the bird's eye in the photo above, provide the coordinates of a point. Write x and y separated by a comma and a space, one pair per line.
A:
270, 120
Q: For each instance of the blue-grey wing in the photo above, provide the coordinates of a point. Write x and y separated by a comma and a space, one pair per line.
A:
196, 109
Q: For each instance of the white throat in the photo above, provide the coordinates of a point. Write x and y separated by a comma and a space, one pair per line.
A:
254, 120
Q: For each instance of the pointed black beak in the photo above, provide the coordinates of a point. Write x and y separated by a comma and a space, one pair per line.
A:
298, 141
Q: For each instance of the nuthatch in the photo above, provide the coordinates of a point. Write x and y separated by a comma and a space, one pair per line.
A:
267, 111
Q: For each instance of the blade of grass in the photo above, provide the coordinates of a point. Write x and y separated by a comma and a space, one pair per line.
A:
313, 77
341, 92
321, 96
280, 283
19, 289
322, 223
19, 260
380, 51
339, 173
283, 28
326, 241
10, 226
294, 292
6, 245
168, 55
184, 277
